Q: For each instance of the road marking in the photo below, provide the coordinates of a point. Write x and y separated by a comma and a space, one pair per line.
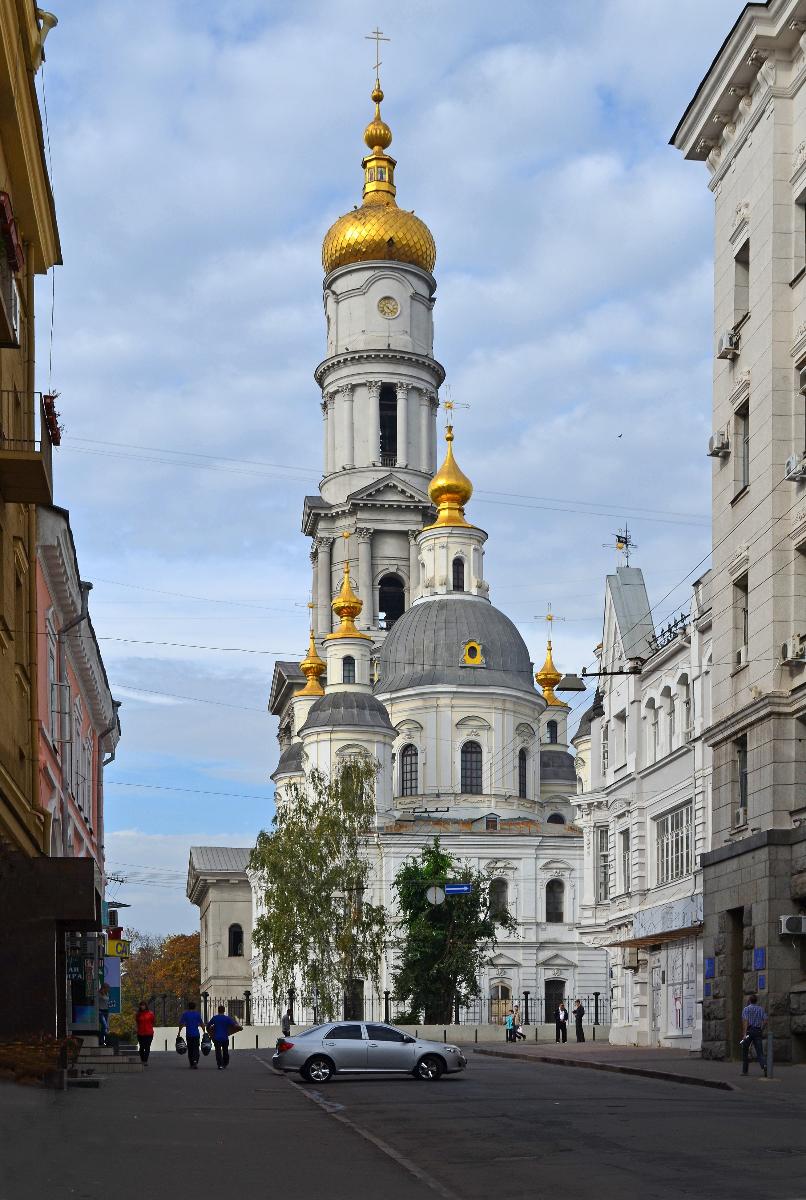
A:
329, 1107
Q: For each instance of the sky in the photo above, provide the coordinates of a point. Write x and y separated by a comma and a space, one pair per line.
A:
198, 156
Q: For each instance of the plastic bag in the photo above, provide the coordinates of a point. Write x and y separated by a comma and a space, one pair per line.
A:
181, 1045
206, 1044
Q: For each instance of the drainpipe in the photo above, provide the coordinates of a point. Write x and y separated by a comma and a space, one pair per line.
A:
86, 588
102, 762
33, 632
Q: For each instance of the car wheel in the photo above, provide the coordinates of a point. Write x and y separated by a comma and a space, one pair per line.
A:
430, 1067
317, 1069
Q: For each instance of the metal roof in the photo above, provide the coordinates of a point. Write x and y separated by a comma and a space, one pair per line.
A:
219, 858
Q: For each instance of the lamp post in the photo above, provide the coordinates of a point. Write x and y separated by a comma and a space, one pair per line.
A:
247, 1007
526, 1008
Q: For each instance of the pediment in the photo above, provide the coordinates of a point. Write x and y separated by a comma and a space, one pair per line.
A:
389, 490
555, 960
556, 864
502, 960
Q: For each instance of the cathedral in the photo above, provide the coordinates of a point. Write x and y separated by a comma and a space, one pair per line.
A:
409, 661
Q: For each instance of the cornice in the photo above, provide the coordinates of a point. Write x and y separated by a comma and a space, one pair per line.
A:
352, 358
771, 704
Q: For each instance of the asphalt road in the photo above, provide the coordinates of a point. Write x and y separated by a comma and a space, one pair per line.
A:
506, 1129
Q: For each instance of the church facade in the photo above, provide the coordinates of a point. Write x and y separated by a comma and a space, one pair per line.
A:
420, 670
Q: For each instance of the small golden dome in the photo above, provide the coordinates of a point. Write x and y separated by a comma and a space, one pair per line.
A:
346, 605
312, 667
548, 677
450, 490
378, 229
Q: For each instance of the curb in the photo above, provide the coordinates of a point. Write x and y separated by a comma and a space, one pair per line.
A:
616, 1068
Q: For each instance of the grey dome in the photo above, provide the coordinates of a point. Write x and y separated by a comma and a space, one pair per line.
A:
347, 708
426, 645
290, 761
557, 766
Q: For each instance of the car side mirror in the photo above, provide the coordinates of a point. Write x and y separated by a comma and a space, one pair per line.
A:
408, 1039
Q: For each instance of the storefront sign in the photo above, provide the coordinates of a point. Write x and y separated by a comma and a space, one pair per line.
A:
112, 980
118, 948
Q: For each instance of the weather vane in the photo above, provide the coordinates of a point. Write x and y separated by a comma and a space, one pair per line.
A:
624, 543
377, 37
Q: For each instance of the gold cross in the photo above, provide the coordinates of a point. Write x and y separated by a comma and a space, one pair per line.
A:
548, 617
377, 37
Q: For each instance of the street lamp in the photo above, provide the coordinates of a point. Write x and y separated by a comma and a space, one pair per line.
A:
247, 996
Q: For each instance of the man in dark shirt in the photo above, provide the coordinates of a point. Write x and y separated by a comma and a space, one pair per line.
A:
191, 1020
220, 1027
754, 1020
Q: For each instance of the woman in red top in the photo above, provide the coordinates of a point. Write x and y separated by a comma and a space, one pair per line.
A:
145, 1030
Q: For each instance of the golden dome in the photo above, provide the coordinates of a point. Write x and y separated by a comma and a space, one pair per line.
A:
346, 605
548, 677
378, 229
450, 490
312, 667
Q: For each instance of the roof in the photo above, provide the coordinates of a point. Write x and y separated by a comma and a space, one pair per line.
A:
557, 766
588, 717
348, 709
290, 761
220, 858
287, 677
633, 616
425, 647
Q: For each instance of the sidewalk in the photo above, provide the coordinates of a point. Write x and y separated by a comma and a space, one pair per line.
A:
675, 1066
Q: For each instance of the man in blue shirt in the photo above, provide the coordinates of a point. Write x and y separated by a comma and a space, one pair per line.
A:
754, 1019
220, 1027
191, 1020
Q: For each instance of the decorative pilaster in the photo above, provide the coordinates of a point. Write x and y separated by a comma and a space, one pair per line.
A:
374, 420
414, 565
325, 450
402, 424
365, 576
425, 431
331, 433
348, 428
433, 401
323, 584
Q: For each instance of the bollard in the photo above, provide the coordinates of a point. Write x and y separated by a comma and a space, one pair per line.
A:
476, 1038
594, 1033
770, 1054
257, 1047
444, 1035
166, 1043
535, 1033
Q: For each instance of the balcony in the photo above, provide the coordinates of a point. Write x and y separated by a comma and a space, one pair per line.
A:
26, 467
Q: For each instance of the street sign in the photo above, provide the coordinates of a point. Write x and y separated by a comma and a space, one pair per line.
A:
458, 889
435, 895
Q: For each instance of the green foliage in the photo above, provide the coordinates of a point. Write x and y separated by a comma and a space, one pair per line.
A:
442, 947
315, 929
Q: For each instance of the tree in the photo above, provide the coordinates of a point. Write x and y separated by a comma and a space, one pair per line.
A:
442, 947
316, 930
157, 967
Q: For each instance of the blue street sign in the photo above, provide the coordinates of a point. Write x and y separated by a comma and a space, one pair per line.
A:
458, 889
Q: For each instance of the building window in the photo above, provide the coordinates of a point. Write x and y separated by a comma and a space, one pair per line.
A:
552, 732
688, 712
626, 860
556, 819
471, 768
490, 823
555, 902
741, 620
55, 732
458, 575
602, 863
741, 283
391, 600
741, 440
673, 842
522, 764
605, 749
499, 898
387, 408
348, 669
235, 940
408, 770
620, 738
741, 774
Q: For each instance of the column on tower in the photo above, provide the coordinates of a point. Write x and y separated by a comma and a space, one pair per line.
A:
374, 419
331, 432
325, 443
323, 575
364, 536
348, 438
402, 424
425, 431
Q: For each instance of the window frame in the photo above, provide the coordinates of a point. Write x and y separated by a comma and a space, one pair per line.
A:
674, 844
409, 754
523, 774
471, 768
556, 889
602, 863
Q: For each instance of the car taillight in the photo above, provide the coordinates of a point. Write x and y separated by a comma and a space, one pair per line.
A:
284, 1045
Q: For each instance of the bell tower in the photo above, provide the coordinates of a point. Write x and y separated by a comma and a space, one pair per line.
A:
379, 383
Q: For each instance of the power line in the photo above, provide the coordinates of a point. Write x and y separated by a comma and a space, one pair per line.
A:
164, 787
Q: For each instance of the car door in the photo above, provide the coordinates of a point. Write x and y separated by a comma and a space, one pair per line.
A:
388, 1049
347, 1046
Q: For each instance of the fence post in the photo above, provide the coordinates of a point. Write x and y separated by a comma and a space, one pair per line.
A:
456, 1010
596, 996
526, 1008
386, 1013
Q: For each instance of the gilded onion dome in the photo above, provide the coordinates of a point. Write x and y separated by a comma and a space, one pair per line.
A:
312, 667
346, 605
378, 229
450, 490
548, 677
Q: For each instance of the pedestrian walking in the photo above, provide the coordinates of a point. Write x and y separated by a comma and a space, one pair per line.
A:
754, 1020
191, 1020
509, 1026
516, 1016
220, 1027
579, 1013
520, 1036
561, 1022
103, 1013
144, 1018
286, 1023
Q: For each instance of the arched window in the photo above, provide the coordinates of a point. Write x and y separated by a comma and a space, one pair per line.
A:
235, 940
551, 731
522, 761
391, 600
556, 819
458, 575
408, 770
471, 768
348, 669
555, 900
499, 897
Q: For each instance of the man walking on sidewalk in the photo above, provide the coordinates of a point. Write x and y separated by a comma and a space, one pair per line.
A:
191, 1020
754, 1020
220, 1027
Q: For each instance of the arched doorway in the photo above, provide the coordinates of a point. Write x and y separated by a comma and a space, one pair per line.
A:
391, 600
554, 993
500, 1002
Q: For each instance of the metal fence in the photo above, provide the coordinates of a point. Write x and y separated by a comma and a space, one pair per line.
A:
257, 1010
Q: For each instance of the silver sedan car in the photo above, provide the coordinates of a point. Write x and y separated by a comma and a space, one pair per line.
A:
363, 1047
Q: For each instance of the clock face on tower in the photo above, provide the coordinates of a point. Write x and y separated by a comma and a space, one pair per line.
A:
388, 306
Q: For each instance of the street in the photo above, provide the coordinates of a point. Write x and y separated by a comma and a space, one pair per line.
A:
509, 1128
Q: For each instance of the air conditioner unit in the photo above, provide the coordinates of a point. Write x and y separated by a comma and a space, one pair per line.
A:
739, 816
718, 444
728, 345
802, 381
794, 926
794, 650
795, 468
741, 656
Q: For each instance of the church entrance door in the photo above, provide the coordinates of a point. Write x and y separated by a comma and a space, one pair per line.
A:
555, 992
500, 1002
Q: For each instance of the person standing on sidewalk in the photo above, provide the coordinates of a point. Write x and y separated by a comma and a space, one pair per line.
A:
579, 1013
103, 1013
220, 1027
561, 1022
191, 1020
754, 1020
285, 1023
509, 1025
145, 1030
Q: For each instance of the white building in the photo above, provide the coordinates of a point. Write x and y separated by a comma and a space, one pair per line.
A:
217, 883
747, 122
646, 813
423, 673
